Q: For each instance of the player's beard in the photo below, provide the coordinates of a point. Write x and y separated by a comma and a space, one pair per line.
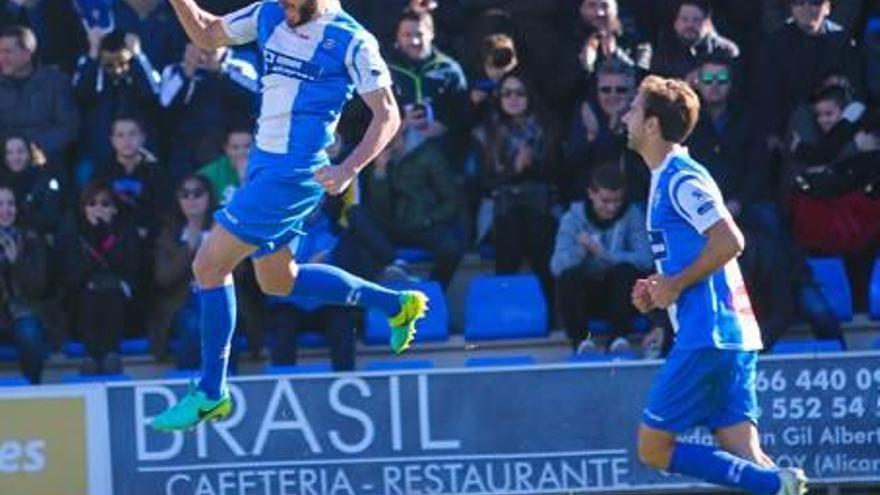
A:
307, 11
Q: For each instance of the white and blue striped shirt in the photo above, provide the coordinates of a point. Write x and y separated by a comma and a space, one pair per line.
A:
683, 203
309, 73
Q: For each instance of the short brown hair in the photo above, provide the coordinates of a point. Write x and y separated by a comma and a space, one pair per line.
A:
23, 35
674, 103
414, 16
607, 175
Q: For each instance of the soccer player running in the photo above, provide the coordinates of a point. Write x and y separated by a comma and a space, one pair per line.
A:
315, 56
709, 376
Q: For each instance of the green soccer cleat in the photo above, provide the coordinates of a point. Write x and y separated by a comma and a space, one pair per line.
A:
194, 408
413, 306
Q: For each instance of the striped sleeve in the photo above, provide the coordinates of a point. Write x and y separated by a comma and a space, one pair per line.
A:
697, 200
365, 65
241, 25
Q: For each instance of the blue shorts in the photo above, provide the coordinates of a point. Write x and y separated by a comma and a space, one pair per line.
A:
703, 387
272, 205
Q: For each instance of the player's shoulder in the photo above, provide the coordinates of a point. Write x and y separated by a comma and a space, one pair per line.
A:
268, 11
683, 168
347, 24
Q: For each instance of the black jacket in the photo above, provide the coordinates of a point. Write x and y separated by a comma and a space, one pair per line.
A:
734, 153
790, 66
104, 99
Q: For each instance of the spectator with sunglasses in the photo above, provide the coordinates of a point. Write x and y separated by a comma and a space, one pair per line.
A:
794, 59
691, 38
519, 168
726, 140
597, 133
176, 311
100, 265
24, 283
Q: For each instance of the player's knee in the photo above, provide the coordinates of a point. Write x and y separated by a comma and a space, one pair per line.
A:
275, 284
654, 454
207, 272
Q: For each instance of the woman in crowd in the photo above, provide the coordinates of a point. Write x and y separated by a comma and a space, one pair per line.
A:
177, 310
23, 285
518, 165
100, 265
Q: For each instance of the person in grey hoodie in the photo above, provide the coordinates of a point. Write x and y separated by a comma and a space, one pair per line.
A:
601, 249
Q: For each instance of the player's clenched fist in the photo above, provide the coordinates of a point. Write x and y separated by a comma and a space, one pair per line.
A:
641, 296
335, 178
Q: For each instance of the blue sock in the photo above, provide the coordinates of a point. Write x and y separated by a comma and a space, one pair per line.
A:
722, 468
332, 285
218, 325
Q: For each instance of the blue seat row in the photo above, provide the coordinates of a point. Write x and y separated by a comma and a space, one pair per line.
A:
512, 307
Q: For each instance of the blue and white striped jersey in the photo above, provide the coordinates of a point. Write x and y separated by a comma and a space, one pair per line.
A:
683, 203
309, 73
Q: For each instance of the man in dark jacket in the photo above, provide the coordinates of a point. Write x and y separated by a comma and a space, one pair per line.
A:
415, 199
726, 140
206, 92
601, 249
141, 184
115, 77
429, 85
692, 38
35, 101
795, 59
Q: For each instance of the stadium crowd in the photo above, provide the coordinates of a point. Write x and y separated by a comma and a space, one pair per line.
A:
120, 137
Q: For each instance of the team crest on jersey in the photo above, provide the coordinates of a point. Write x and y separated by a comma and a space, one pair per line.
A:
329, 44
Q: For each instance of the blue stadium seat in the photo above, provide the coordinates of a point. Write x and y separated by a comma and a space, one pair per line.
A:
399, 364
414, 255
830, 274
877, 344
311, 340
134, 347
8, 353
16, 381
299, 369
74, 349
77, 378
505, 307
433, 328
874, 292
807, 346
515, 360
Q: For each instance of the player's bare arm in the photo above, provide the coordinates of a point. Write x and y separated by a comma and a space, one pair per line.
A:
725, 242
203, 28
383, 126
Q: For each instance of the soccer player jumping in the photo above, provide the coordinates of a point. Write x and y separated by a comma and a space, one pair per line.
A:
315, 56
709, 376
